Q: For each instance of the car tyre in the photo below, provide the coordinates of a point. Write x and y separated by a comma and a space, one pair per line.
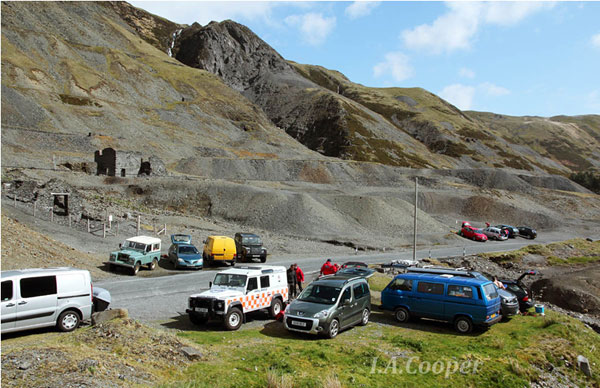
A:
333, 329
463, 325
112, 267
68, 321
153, 264
402, 315
365, 317
234, 319
198, 319
263, 259
276, 307
136, 269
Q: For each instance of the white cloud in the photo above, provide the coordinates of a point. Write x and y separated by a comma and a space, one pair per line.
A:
466, 72
493, 90
206, 11
314, 26
396, 64
360, 8
459, 95
456, 29
596, 40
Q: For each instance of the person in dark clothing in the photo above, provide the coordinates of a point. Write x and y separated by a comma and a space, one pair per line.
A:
292, 282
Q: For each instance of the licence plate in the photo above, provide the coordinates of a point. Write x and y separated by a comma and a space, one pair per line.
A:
493, 316
298, 323
201, 309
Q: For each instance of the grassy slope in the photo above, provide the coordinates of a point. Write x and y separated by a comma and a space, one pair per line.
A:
506, 352
575, 251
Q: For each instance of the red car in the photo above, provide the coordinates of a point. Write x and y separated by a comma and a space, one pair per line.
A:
473, 234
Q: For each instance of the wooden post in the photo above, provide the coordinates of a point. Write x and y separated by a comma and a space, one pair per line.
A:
15, 200
165, 229
34, 207
52, 214
138, 226
103, 230
88, 222
153, 228
69, 220
117, 228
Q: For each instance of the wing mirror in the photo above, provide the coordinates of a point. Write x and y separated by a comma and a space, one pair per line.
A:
346, 302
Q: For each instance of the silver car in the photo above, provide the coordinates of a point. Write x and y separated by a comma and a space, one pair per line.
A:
495, 233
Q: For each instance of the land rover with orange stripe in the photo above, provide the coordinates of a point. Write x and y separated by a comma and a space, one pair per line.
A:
238, 291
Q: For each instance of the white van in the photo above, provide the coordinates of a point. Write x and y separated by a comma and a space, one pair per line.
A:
33, 298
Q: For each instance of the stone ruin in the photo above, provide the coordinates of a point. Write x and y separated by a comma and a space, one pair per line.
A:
127, 163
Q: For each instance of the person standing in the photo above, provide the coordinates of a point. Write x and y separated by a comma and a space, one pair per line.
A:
327, 268
291, 279
299, 277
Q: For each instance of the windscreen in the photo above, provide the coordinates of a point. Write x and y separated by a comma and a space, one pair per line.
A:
188, 250
320, 294
230, 280
254, 240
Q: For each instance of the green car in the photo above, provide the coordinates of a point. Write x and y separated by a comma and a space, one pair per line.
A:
329, 305
136, 252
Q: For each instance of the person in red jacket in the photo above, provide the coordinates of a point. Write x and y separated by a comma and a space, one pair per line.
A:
299, 276
328, 268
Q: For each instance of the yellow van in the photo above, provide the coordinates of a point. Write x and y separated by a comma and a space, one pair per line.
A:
219, 249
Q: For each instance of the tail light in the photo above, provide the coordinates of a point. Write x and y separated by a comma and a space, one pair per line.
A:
525, 298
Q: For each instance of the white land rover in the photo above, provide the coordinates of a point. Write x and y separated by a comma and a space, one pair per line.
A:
237, 291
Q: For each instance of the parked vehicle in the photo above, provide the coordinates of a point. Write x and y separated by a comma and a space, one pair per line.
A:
526, 231
520, 290
100, 299
34, 298
509, 305
494, 233
136, 252
350, 264
183, 254
511, 230
463, 301
473, 233
237, 291
249, 246
329, 305
219, 249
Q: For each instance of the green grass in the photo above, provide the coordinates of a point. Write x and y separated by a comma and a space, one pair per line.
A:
574, 251
379, 281
507, 355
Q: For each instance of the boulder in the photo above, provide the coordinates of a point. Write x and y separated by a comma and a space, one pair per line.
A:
107, 315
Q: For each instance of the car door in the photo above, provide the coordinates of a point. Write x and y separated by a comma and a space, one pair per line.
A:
429, 299
9, 306
253, 294
265, 291
345, 310
37, 301
360, 295
460, 299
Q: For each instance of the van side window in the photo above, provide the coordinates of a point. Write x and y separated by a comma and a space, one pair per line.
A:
359, 291
431, 288
38, 286
7, 290
264, 281
156, 247
460, 291
401, 284
252, 284
346, 295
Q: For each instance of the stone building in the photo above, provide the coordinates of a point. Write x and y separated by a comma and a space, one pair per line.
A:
126, 163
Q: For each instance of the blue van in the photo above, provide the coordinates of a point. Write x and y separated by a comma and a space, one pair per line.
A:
461, 300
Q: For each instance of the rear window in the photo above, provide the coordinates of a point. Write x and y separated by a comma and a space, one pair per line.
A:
401, 284
264, 281
460, 291
431, 288
490, 291
38, 286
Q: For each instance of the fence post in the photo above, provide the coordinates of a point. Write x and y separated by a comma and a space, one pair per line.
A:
103, 230
15, 200
69, 220
117, 228
165, 229
138, 226
464, 250
34, 207
52, 214
88, 222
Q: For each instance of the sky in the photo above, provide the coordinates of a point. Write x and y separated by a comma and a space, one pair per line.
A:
514, 58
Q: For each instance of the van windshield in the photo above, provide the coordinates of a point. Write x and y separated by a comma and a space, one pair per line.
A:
490, 291
134, 245
230, 280
317, 293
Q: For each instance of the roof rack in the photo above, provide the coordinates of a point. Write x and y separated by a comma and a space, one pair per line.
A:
442, 271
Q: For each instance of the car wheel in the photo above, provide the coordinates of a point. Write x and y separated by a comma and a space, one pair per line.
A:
263, 259
463, 325
275, 308
111, 267
153, 264
401, 314
234, 319
365, 317
198, 319
334, 328
136, 269
68, 321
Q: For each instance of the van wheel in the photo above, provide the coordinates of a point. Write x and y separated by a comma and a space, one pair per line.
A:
68, 321
135, 269
153, 264
232, 263
365, 317
402, 315
463, 325
198, 319
333, 329
275, 308
233, 319
263, 259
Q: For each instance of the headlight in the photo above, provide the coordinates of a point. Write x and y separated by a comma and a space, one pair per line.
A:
220, 305
180, 259
113, 257
287, 308
321, 314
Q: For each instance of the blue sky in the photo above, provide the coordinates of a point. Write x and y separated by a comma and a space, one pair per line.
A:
515, 58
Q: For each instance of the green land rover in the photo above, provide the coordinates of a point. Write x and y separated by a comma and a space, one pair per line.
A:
136, 252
